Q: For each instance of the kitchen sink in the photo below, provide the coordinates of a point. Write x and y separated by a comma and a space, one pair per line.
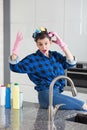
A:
78, 118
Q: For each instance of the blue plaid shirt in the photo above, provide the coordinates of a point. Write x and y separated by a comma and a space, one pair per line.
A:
41, 70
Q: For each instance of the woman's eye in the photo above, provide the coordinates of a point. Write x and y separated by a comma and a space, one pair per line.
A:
46, 43
40, 44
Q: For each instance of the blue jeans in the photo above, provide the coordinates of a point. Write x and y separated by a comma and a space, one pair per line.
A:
71, 103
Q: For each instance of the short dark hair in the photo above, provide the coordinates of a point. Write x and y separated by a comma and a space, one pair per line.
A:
42, 35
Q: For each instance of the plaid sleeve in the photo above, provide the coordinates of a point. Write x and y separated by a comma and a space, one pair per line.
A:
22, 66
66, 63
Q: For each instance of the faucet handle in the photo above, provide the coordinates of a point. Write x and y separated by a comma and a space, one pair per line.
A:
57, 107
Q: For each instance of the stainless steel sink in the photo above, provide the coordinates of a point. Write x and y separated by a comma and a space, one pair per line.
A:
78, 118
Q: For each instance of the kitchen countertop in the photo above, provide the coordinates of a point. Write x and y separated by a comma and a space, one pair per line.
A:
31, 117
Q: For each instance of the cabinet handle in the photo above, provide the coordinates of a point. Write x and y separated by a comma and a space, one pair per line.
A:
76, 72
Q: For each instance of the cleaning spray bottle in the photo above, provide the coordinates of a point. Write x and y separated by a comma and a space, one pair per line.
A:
8, 97
2, 94
16, 96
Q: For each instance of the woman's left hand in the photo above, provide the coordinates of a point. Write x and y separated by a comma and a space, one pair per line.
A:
57, 40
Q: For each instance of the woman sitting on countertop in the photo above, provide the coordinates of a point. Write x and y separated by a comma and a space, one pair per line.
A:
43, 66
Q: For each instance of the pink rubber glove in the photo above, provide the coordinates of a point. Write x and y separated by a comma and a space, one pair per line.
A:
18, 40
58, 40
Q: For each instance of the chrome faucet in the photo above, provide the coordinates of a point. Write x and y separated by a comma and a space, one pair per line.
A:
52, 111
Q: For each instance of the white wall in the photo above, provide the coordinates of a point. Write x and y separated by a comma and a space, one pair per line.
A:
1, 42
67, 17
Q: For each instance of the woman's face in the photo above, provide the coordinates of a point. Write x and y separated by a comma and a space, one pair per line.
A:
44, 45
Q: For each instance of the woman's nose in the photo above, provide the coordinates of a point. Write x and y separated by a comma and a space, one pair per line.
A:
44, 47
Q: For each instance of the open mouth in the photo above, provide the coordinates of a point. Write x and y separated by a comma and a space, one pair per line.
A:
44, 51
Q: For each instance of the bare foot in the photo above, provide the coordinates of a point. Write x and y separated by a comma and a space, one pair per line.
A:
85, 106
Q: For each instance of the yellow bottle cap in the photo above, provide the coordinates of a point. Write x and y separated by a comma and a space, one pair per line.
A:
8, 85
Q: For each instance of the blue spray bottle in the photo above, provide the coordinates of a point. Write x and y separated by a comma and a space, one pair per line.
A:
8, 97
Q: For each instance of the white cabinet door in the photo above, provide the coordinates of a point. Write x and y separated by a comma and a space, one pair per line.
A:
23, 19
50, 14
76, 27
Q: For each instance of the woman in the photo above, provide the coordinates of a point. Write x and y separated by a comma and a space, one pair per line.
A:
43, 66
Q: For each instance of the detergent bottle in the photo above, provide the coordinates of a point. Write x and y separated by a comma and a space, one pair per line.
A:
2, 94
8, 96
16, 96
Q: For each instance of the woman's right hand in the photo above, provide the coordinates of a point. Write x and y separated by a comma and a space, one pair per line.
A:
18, 40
